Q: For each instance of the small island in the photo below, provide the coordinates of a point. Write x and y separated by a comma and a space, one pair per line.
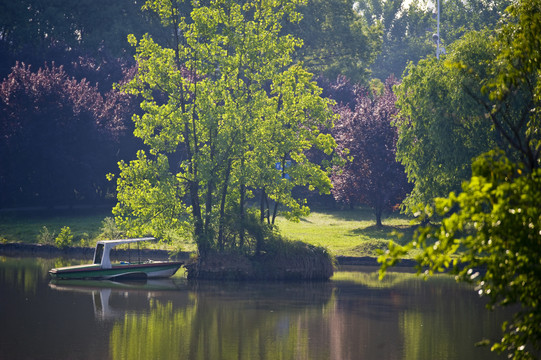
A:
283, 260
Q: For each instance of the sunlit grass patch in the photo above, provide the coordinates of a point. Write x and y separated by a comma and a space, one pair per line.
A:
348, 232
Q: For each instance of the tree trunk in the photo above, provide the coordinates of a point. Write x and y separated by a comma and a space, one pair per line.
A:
242, 215
379, 224
274, 212
222, 207
262, 206
378, 211
199, 233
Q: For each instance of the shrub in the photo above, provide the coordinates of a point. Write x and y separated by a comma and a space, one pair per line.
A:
45, 236
109, 229
65, 238
85, 240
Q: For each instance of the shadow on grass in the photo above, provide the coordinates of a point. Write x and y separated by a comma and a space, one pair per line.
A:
400, 234
377, 238
356, 214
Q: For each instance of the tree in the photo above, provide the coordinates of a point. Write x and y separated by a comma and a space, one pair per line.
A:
442, 125
491, 232
336, 40
490, 236
408, 27
458, 17
58, 137
86, 25
515, 77
405, 31
221, 107
372, 177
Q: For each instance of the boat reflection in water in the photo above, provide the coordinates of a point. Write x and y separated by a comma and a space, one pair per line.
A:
126, 295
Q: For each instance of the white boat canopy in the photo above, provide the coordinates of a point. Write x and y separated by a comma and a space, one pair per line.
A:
103, 250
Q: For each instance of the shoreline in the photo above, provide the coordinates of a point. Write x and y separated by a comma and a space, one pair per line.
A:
87, 253
83, 253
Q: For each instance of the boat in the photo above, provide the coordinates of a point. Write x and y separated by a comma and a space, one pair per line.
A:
103, 269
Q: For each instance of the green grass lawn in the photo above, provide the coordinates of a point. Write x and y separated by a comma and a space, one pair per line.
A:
345, 232
26, 225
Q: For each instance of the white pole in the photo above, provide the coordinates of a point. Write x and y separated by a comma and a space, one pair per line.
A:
438, 33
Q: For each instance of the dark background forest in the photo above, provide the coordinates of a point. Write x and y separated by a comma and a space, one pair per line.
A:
64, 126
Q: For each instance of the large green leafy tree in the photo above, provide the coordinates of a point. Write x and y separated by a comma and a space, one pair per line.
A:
441, 126
516, 75
491, 231
222, 108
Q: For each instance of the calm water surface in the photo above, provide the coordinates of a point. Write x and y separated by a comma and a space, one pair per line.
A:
354, 316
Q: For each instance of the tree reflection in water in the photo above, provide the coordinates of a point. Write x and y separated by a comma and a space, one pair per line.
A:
345, 319
354, 316
231, 321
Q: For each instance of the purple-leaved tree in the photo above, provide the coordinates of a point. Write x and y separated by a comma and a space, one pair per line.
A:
58, 137
364, 133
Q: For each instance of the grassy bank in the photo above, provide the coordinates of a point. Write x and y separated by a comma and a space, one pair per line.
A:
348, 233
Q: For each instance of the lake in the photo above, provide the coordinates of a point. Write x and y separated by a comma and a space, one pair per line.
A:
353, 316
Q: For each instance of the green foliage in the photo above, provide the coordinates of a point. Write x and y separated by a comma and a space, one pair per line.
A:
85, 241
407, 27
287, 259
109, 230
490, 235
516, 74
336, 39
405, 32
45, 236
276, 259
458, 17
441, 126
222, 107
491, 231
64, 238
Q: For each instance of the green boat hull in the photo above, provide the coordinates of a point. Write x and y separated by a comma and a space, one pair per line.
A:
117, 271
